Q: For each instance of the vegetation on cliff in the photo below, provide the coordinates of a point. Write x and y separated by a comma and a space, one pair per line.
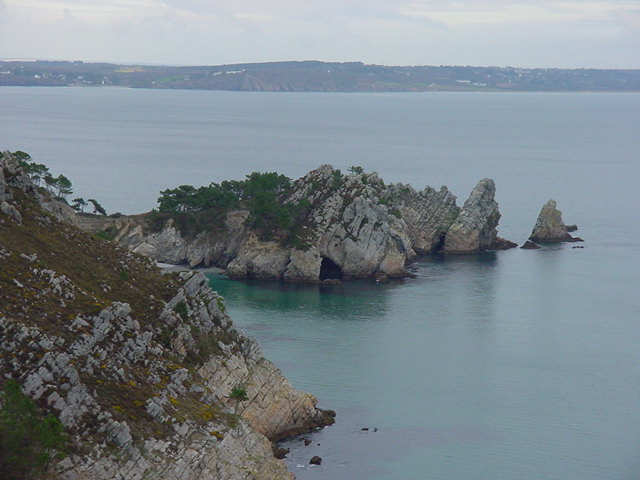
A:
29, 440
262, 194
134, 362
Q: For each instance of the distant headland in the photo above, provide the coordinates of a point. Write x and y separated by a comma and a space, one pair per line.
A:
316, 76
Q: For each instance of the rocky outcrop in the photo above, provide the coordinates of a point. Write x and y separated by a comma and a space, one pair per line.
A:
474, 229
191, 409
353, 226
14, 179
139, 366
428, 215
11, 179
550, 227
59, 209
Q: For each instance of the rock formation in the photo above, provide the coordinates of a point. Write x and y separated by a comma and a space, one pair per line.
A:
139, 365
354, 226
550, 227
474, 229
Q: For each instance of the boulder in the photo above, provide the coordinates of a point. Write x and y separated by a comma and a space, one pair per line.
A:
280, 452
315, 460
59, 209
11, 211
550, 227
529, 245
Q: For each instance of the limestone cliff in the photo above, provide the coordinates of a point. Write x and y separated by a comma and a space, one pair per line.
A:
352, 226
550, 227
474, 229
139, 365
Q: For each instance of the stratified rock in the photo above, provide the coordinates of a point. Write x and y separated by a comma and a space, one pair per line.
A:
474, 230
550, 227
428, 215
529, 245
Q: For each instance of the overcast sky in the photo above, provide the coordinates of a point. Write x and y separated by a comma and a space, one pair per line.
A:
528, 33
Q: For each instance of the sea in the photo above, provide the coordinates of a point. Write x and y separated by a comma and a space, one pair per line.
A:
512, 365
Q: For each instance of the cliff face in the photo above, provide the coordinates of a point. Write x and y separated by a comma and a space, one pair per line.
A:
475, 229
139, 366
355, 226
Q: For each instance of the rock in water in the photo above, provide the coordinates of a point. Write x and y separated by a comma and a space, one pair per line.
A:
475, 228
529, 245
315, 460
550, 227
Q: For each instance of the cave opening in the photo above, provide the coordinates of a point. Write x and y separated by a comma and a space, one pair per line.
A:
438, 247
329, 270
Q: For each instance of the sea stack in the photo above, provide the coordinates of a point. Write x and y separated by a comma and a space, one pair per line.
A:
550, 227
474, 230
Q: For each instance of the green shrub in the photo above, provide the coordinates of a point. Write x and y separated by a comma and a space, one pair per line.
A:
182, 310
28, 440
239, 394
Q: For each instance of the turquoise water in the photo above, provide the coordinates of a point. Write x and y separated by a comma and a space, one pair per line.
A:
500, 366
509, 365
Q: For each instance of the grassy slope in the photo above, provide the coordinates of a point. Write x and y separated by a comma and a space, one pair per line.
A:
101, 273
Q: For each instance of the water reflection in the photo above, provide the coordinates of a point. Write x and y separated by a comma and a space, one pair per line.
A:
355, 300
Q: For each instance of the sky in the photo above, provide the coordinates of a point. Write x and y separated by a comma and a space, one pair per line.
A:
526, 33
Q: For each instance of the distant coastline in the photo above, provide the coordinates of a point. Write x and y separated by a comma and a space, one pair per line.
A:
316, 76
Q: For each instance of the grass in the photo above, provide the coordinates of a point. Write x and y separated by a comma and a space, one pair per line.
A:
102, 273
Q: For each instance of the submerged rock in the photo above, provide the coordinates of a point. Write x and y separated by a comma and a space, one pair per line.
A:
529, 245
550, 227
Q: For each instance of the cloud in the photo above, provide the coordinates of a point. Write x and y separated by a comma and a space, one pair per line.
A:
493, 32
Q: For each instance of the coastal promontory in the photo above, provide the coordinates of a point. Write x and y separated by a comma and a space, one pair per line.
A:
327, 226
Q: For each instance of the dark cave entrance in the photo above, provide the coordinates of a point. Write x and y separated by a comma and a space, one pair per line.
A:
329, 270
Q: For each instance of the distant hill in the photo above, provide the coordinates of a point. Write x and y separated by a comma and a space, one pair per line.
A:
314, 76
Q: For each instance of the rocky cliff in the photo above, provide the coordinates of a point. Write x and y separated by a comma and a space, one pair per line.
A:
143, 368
352, 226
550, 227
474, 229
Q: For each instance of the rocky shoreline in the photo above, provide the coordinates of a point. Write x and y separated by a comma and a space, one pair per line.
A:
143, 369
